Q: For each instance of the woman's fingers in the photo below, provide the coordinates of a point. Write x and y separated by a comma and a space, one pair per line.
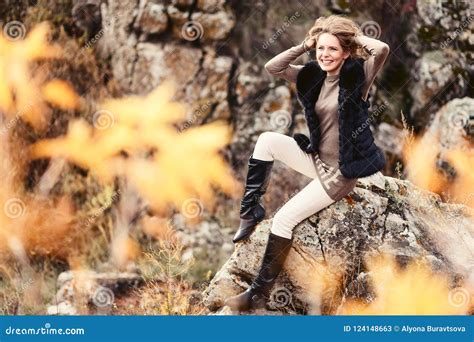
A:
310, 43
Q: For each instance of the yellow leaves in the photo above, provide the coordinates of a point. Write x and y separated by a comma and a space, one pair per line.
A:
77, 146
40, 227
155, 109
159, 228
463, 162
421, 156
34, 47
134, 138
166, 166
420, 159
123, 250
60, 94
414, 290
187, 163
20, 93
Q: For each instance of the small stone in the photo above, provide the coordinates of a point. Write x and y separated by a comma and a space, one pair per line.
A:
63, 308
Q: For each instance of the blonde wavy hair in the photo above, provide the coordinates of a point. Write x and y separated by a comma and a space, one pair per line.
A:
344, 29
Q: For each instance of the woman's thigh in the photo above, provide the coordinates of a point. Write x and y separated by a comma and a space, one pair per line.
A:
311, 199
277, 146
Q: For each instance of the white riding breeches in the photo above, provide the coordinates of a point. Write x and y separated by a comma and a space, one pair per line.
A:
311, 199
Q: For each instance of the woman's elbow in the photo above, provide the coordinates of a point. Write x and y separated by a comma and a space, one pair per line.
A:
385, 49
268, 68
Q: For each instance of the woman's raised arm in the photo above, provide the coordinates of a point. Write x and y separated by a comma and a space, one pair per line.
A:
280, 64
378, 51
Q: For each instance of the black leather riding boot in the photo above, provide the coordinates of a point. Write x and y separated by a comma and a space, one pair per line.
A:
251, 210
256, 296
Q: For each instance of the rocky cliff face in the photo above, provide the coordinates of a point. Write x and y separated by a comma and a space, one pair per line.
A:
216, 49
327, 264
442, 43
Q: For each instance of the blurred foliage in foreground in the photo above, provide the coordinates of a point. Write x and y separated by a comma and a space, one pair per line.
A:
128, 147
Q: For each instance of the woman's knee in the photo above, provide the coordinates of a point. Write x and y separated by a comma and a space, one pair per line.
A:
266, 137
269, 142
263, 148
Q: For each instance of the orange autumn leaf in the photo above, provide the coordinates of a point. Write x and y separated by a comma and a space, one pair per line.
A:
151, 111
20, 94
414, 290
419, 158
185, 165
462, 190
77, 146
60, 94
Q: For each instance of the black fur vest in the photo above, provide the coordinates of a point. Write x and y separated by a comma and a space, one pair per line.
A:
358, 154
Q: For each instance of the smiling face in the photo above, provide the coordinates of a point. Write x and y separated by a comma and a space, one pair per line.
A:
330, 54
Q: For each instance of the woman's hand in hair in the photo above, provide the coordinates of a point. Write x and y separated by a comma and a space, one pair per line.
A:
309, 43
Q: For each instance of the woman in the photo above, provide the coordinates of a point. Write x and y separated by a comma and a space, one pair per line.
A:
340, 149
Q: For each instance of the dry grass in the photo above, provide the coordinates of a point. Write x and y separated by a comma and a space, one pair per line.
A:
166, 290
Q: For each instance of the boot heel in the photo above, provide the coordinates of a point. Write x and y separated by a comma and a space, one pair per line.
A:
248, 225
273, 259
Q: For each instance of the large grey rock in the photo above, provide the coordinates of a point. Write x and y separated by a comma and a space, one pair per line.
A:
383, 215
140, 63
389, 138
152, 18
442, 40
453, 125
438, 79
275, 113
